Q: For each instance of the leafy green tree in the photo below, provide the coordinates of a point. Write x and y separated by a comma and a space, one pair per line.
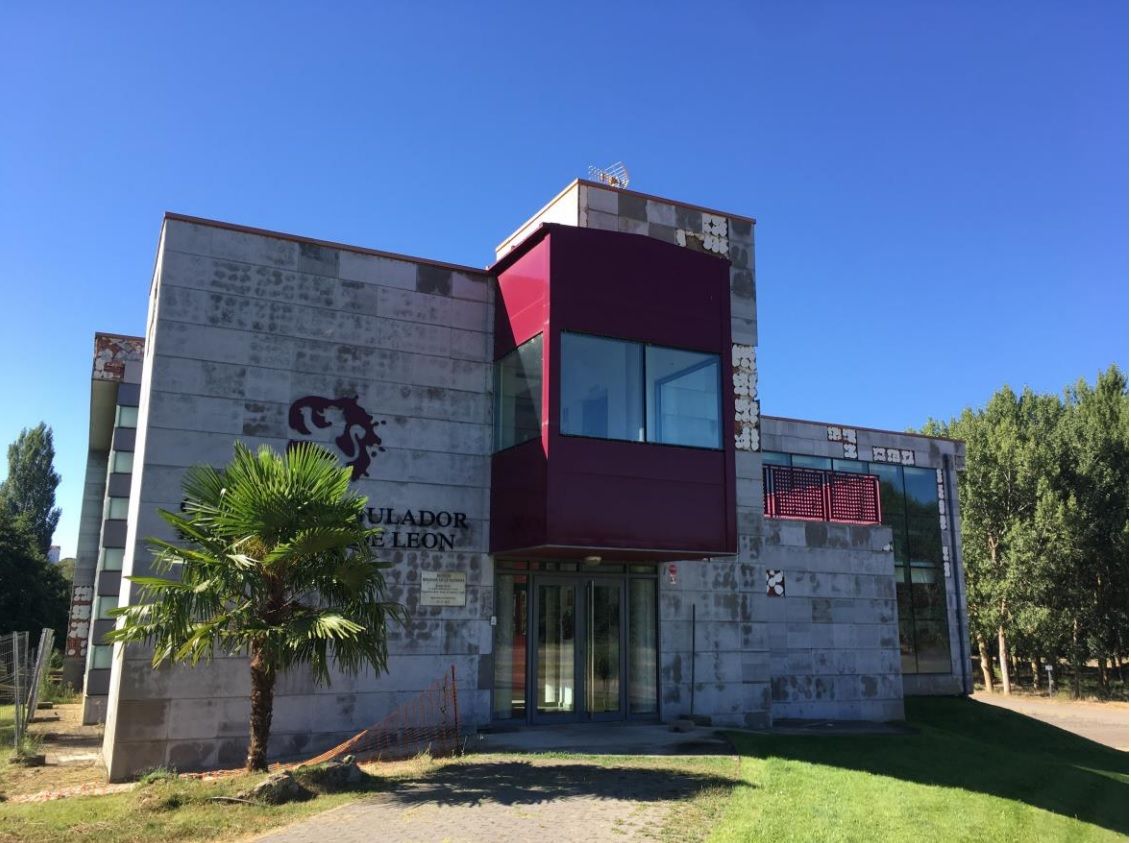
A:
33, 593
274, 563
29, 489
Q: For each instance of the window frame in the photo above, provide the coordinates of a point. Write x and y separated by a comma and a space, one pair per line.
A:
644, 346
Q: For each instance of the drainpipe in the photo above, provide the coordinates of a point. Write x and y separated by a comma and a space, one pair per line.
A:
693, 661
959, 580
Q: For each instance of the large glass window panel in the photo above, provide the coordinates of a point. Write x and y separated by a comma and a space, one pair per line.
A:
556, 646
518, 395
808, 461
112, 558
642, 646
102, 656
682, 394
932, 646
921, 488
510, 646
775, 458
924, 540
602, 388
851, 466
603, 657
126, 417
891, 493
117, 508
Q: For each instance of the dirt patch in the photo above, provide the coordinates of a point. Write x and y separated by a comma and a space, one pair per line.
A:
74, 759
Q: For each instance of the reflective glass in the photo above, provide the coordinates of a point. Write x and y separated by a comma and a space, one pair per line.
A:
932, 647
126, 417
603, 660
518, 395
922, 492
117, 508
106, 604
112, 558
891, 493
682, 397
775, 458
122, 462
102, 655
510, 646
641, 646
807, 461
556, 645
851, 466
602, 388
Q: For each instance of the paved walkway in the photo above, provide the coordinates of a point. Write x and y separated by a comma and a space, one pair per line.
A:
1104, 723
509, 800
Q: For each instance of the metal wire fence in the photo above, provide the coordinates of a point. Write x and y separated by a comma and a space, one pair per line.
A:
22, 673
429, 722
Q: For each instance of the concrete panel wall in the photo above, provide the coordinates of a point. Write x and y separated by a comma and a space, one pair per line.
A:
946, 457
242, 326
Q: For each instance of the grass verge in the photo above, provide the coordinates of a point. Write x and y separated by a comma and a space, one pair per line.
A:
970, 772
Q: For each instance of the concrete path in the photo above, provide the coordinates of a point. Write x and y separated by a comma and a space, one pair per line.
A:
1104, 723
614, 738
508, 800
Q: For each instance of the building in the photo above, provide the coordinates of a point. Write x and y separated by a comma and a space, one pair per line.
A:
586, 513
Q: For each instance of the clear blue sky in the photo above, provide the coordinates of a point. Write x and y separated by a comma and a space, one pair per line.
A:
940, 188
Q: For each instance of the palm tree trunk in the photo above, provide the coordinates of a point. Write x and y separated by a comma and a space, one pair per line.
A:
262, 703
987, 665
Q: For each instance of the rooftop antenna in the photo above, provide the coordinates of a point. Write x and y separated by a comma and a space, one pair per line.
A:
615, 175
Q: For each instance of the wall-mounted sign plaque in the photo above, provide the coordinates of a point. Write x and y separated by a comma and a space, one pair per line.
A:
443, 588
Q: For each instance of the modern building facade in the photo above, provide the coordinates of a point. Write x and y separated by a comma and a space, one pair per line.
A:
586, 512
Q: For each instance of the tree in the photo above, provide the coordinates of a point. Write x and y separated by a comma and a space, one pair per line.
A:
29, 489
33, 594
275, 564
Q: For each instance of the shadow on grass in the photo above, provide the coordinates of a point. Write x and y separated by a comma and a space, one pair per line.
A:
523, 783
964, 744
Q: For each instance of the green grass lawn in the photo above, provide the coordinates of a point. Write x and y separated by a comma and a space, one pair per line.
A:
970, 772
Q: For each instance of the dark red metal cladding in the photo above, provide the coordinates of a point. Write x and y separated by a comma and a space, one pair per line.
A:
626, 500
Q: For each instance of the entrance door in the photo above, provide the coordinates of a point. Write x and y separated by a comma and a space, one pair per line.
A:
579, 669
557, 607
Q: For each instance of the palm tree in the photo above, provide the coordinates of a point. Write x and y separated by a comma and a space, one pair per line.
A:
274, 563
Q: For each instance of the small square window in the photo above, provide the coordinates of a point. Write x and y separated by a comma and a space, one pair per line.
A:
122, 462
112, 558
117, 509
106, 604
126, 417
102, 656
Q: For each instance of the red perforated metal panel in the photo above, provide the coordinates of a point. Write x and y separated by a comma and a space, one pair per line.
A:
817, 495
854, 498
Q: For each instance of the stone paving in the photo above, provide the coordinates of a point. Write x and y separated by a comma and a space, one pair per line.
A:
510, 800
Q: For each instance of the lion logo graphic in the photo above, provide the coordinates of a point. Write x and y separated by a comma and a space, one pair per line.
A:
358, 440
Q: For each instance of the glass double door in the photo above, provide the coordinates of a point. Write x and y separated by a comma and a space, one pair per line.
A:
578, 649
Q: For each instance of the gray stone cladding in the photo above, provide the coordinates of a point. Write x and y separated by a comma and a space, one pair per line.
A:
241, 325
945, 456
730, 636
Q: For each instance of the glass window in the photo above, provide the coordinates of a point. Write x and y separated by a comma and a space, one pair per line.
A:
850, 466
922, 492
682, 395
891, 493
117, 508
122, 462
774, 458
112, 558
126, 417
518, 395
642, 646
510, 646
602, 388
101, 655
807, 461
106, 604
932, 646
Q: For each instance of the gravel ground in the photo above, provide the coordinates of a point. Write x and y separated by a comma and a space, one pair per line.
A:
1101, 722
